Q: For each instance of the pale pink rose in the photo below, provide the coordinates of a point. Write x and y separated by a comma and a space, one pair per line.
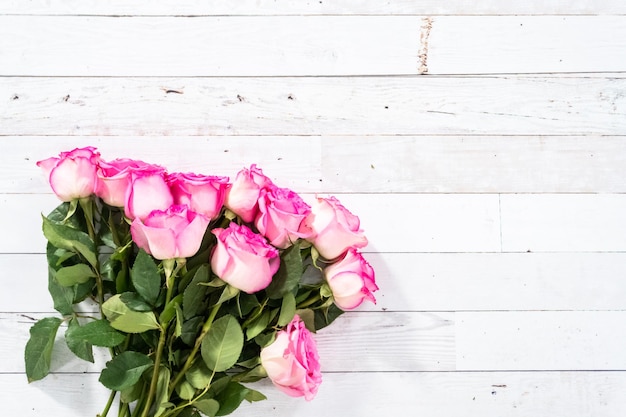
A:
147, 192
335, 229
292, 362
114, 178
281, 216
174, 233
351, 280
202, 193
243, 258
73, 174
243, 194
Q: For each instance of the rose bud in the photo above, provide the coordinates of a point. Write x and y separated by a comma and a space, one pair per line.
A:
114, 178
73, 174
334, 228
281, 215
243, 195
292, 362
243, 258
147, 191
174, 233
202, 193
351, 281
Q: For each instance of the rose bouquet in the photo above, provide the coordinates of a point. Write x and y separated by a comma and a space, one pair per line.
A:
201, 285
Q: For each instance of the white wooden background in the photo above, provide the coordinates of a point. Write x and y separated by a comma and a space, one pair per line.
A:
482, 143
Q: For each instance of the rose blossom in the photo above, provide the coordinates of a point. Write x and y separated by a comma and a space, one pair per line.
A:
334, 228
114, 178
281, 215
243, 195
243, 258
202, 193
351, 280
146, 192
73, 174
174, 233
292, 362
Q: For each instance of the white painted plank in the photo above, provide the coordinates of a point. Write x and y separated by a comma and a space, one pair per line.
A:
339, 164
427, 222
426, 282
563, 222
202, 46
309, 45
537, 340
361, 106
295, 7
402, 394
356, 342
514, 44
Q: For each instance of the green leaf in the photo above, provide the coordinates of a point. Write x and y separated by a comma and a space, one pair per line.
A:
325, 316
68, 238
64, 213
194, 295
75, 274
38, 352
123, 318
287, 309
124, 370
199, 376
185, 390
265, 339
222, 344
62, 297
308, 317
132, 393
190, 330
98, 333
145, 277
207, 406
170, 309
77, 345
134, 301
289, 273
231, 397
255, 374
258, 325
228, 293
254, 396
178, 329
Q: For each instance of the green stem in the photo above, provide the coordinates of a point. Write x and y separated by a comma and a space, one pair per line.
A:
87, 206
256, 314
310, 301
107, 407
124, 409
192, 356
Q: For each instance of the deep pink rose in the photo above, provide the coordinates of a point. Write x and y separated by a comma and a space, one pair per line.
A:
174, 233
243, 195
114, 178
203, 194
243, 258
334, 228
281, 216
73, 174
292, 362
147, 192
351, 280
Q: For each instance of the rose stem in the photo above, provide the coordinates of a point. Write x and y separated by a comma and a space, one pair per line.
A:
107, 407
205, 329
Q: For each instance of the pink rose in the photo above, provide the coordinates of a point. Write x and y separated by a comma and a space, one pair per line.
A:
292, 362
73, 174
174, 233
243, 258
351, 280
203, 194
334, 228
147, 192
243, 195
281, 215
114, 178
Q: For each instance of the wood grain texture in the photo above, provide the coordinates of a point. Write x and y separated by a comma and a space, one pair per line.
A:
363, 106
328, 45
426, 282
295, 7
343, 164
